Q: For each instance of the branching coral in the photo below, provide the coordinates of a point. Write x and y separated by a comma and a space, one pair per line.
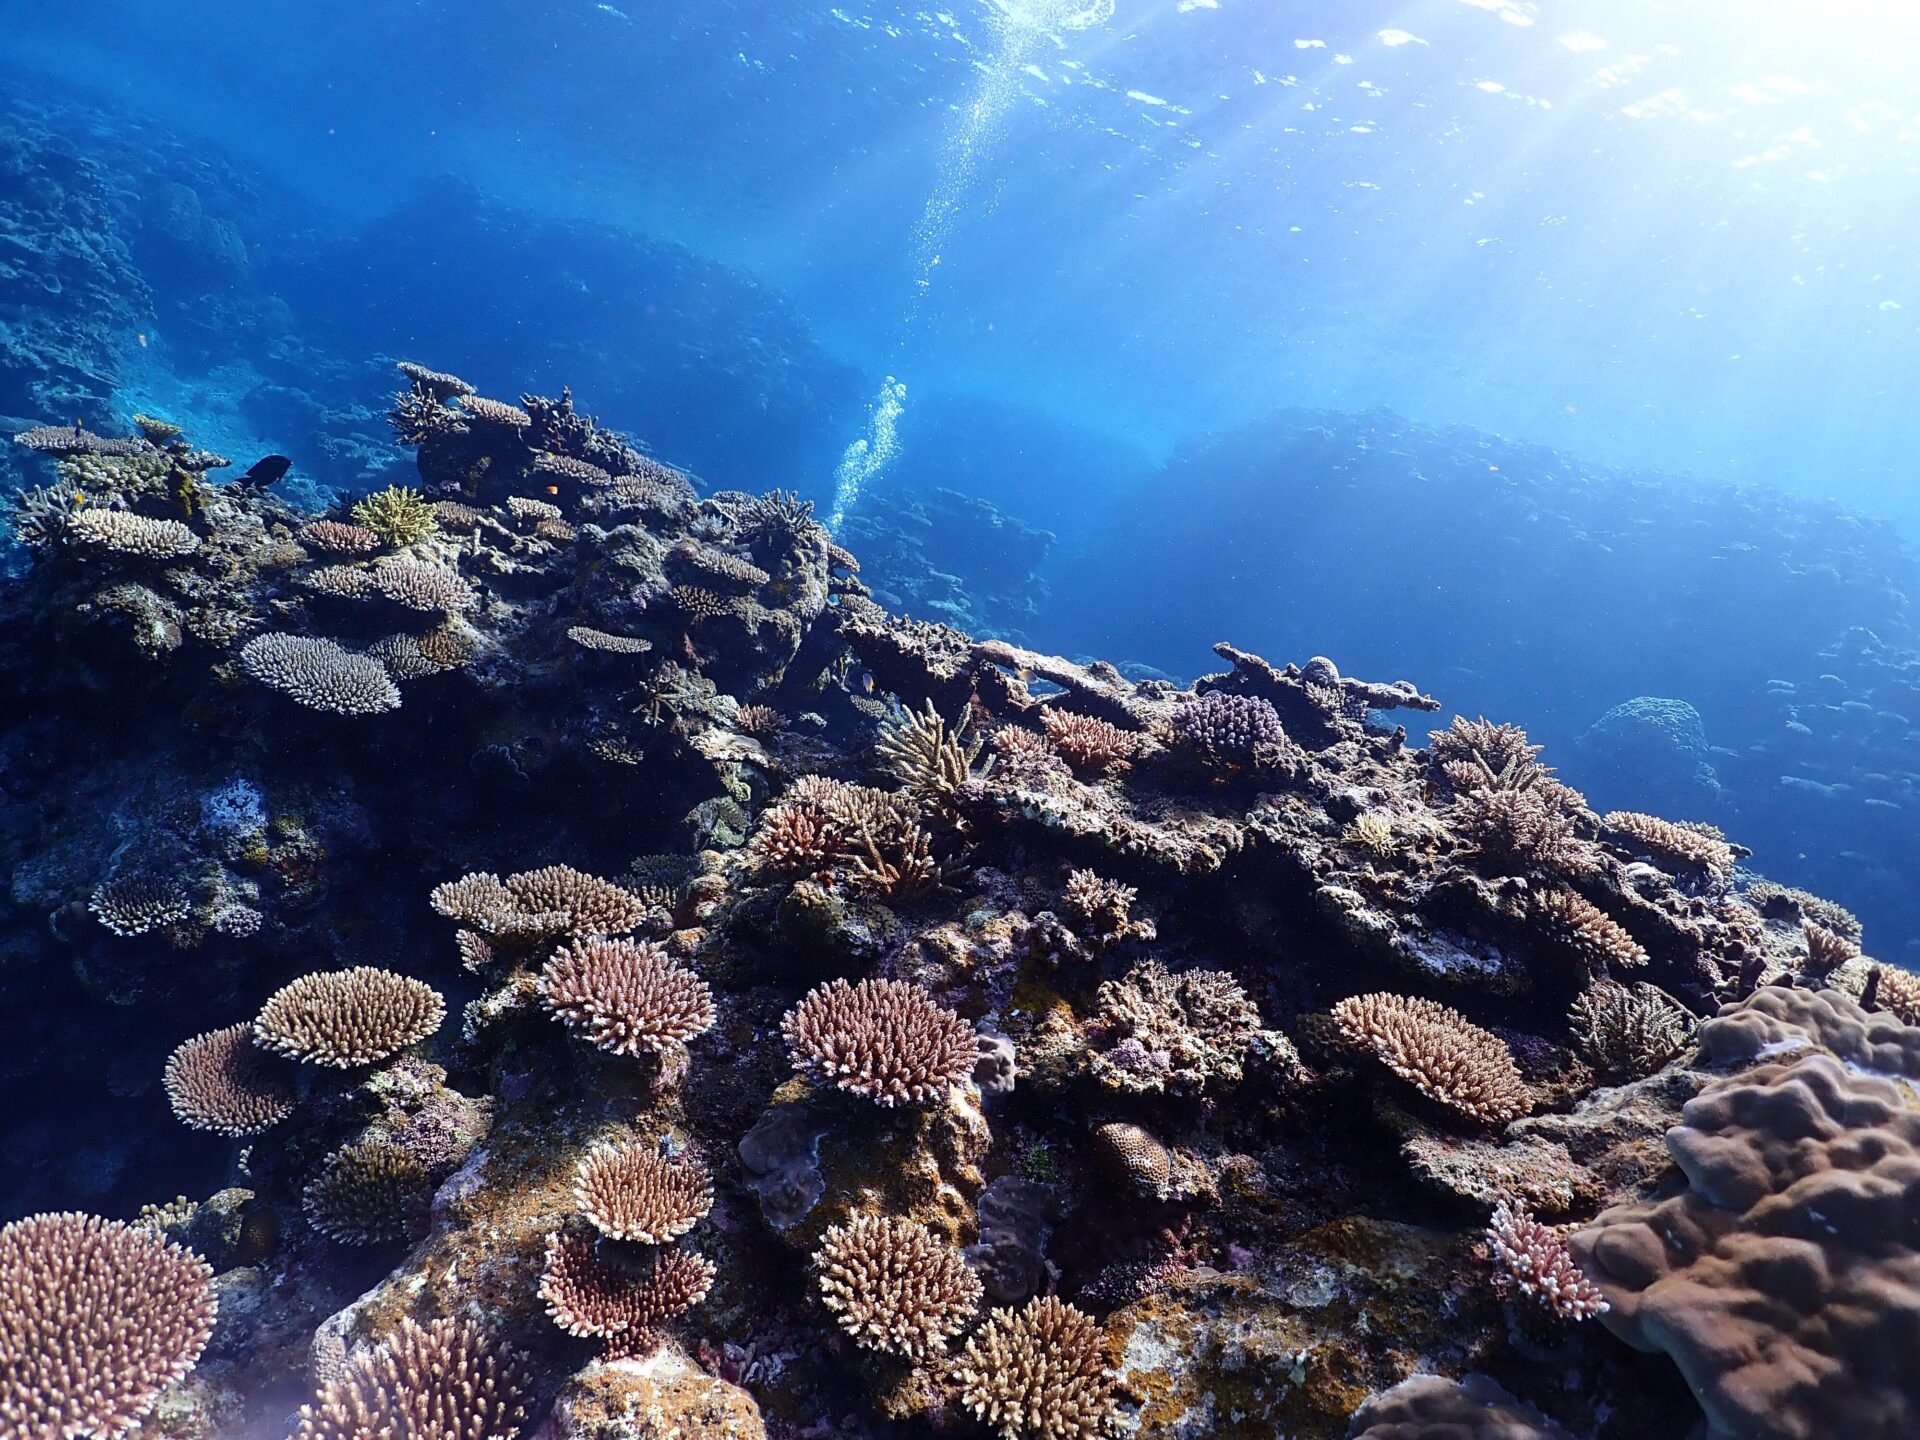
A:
442, 1381
221, 1081
1178, 1033
319, 674
1104, 908
587, 638
1231, 729
1583, 927
1826, 951
1439, 1052
399, 515
1087, 743
1685, 845
593, 906
1040, 1373
760, 720
1628, 1032
898, 861
367, 1193
97, 1317
344, 1018
894, 1285
126, 533
1499, 755
137, 903
589, 1297
494, 414
633, 1192
335, 537
484, 902
884, 1039
41, 516
1521, 829
1772, 899
423, 587
931, 760
1536, 1260
626, 997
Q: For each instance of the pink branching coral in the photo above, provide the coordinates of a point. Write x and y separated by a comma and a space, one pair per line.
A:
633, 1192
596, 906
337, 537
343, 1018
1690, 845
1040, 1373
1087, 743
626, 997
590, 1297
884, 1039
96, 1319
442, 1381
1536, 1260
894, 1285
1600, 940
1439, 1052
221, 1081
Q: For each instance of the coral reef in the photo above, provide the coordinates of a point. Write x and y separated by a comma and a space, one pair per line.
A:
863, 1028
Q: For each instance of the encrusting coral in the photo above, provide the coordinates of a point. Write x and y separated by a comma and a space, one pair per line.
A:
1035, 935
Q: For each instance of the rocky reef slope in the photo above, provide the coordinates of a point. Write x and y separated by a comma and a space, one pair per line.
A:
601, 974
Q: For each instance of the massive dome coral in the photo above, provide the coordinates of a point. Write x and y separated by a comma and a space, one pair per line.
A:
96, 1318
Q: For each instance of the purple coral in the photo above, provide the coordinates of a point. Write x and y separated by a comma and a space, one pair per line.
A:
1228, 727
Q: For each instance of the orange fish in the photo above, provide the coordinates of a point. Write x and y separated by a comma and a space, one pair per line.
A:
553, 489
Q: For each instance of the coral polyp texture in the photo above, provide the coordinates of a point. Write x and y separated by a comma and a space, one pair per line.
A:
1040, 1373
633, 1192
445, 1380
344, 1018
886, 1040
96, 1319
223, 1082
894, 1285
626, 997
1030, 1048
1438, 1051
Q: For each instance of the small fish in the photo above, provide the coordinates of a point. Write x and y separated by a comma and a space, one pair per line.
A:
269, 471
553, 489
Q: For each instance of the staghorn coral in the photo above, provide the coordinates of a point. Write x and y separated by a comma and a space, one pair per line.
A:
1583, 927
1439, 1052
1683, 845
1628, 1032
931, 760
1535, 1259
593, 906
633, 1192
1087, 743
445, 1380
1104, 907
894, 1285
796, 840
368, 1193
587, 1296
345, 1018
221, 1081
1782, 1279
97, 1317
883, 1039
1492, 754
896, 862
41, 515
319, 674
1177, 1033
626, 997
138, 903
1040, 1373
126, 533
399, 515
494, 414
778, 520
335, 537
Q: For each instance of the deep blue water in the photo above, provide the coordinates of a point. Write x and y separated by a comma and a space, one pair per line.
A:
1070, 260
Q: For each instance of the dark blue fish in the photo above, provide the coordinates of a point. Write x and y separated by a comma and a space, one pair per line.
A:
266, 472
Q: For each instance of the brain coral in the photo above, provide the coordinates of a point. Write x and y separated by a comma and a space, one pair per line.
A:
96, 1318
894, 1285
1439, 1052
1785, 1280
221, 1081
1431, 1407
441, 1381
884, 1039
1040, 1374
343, 1018
319, 674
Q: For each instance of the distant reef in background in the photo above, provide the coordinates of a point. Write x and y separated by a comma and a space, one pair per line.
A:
141, 271
1738, 655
